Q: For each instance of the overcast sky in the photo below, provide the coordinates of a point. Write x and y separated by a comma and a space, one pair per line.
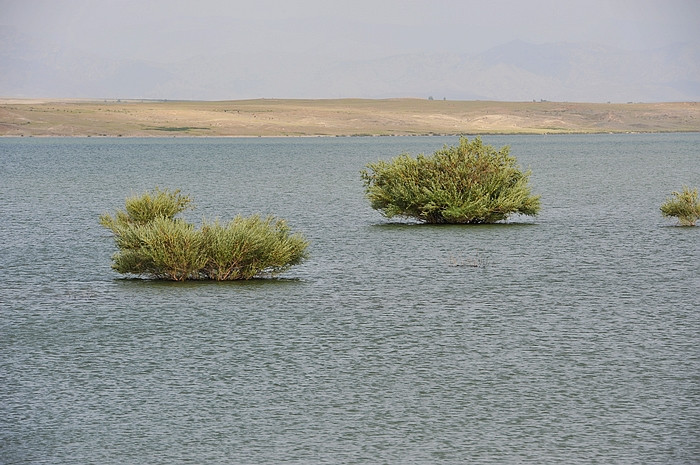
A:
169, 31
172, 29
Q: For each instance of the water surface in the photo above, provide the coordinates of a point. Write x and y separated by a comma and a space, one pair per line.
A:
568, 338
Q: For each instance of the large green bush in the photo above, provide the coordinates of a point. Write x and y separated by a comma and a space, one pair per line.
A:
683, 205
467, 183
152, 242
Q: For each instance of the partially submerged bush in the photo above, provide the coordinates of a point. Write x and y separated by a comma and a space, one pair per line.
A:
154, 243
467, 183
683, 205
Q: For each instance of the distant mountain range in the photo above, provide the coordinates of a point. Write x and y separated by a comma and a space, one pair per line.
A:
516, 71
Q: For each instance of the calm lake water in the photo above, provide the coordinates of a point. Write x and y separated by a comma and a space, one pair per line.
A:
575, 339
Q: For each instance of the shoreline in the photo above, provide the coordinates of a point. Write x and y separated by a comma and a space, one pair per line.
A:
336, 118
349, 136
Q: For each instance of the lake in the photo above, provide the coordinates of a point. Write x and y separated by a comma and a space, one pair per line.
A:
571, 337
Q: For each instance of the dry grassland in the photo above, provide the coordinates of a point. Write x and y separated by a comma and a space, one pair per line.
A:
343, 117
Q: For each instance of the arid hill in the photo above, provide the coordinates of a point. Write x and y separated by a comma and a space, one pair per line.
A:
344, 117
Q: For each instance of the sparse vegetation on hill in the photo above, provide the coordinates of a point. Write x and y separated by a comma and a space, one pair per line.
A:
343, 117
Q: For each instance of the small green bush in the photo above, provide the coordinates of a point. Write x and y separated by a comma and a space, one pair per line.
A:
467, 183
142, 209
152, 242
683, 205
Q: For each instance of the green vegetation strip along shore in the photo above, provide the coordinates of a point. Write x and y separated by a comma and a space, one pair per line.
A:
342, 117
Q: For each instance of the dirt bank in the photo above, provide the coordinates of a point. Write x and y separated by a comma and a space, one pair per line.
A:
343, 117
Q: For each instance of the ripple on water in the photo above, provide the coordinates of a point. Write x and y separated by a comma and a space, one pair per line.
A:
567, 338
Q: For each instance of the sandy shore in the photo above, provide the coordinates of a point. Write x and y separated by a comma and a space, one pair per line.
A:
343, 117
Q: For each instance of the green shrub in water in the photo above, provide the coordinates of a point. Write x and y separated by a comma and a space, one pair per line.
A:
683, 205
468, 183
152, 242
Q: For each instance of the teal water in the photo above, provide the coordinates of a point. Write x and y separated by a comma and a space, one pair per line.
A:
575, 338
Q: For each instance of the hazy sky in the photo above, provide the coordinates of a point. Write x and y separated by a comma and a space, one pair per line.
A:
174, 29
171, 33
